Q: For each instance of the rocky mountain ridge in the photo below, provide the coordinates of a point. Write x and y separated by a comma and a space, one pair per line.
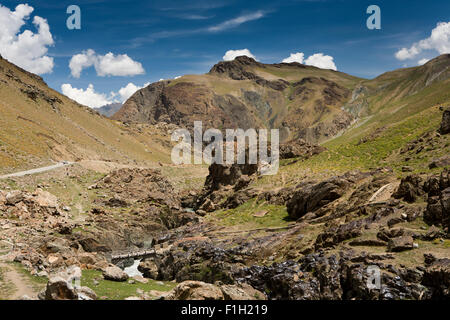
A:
247, 94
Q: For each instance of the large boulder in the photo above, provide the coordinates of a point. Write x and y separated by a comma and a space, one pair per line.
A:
114, 273
14, 197
445, 124
65, 286
60, 289
45, 199
402, 243
241, 292
314, 196
85, 293
195, 290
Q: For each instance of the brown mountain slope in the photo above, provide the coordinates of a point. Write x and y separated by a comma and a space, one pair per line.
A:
38, 125
300, 100
388, 89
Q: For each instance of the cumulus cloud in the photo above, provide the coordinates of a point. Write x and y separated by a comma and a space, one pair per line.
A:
318, 60
439, 41
126, 92
322, 61
81, 61
230, 55
88, 97
27, 49
91, 98
295, 57
105, 65
422, 61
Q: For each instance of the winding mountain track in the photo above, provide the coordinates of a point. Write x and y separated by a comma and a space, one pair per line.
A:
37, 170
21, 285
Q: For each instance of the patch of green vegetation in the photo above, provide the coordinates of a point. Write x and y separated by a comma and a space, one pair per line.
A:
4, 248
12, 184
346, 153
276, 216
111, 290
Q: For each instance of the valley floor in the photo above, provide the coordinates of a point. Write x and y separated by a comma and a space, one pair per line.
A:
309, 232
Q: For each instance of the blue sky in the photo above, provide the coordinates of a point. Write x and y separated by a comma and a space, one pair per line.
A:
173, 38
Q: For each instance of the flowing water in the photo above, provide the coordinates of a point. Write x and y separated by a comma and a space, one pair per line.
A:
132, 270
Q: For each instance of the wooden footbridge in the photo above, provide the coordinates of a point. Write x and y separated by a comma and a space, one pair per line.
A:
137, 254
134, 254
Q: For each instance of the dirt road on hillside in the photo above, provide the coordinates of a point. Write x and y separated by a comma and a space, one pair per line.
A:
37, 170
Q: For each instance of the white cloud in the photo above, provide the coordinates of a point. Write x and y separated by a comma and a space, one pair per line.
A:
237, 21
322, 61
105, 65
81, 61
28, 50
295, 57
318, 60
439, 41
88, 97
422, 61
230, 55
127, 91
120, 65
91, 98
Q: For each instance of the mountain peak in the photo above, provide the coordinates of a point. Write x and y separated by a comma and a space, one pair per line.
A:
235, 67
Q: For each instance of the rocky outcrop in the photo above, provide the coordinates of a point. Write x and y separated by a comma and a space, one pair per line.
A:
222, 181
312, 196
343, 276
438, 206
299, 149
437, 276
402, 243
34, 208
237, 69
149, 268
192, 260
409, 189
441, 162
445, 124
196, 290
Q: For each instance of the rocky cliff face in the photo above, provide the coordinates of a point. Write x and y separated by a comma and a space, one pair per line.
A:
183, 103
